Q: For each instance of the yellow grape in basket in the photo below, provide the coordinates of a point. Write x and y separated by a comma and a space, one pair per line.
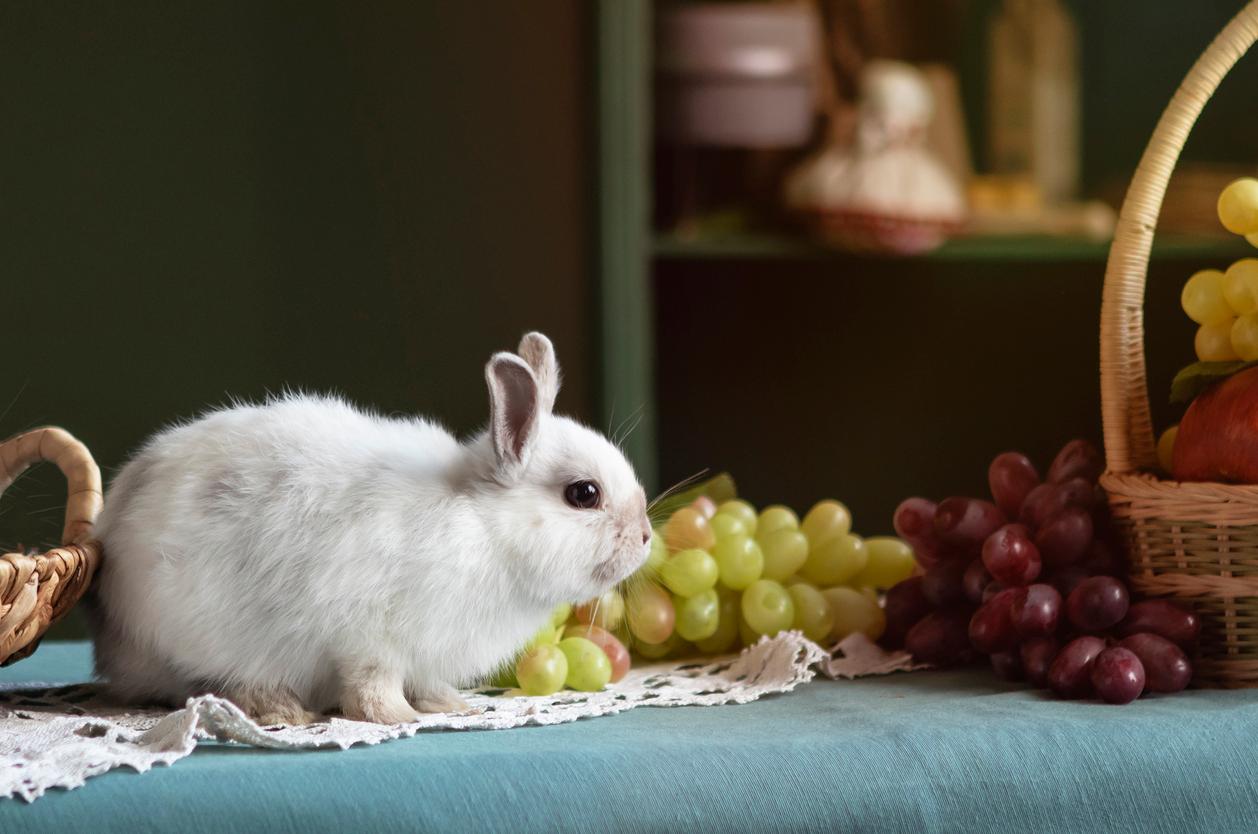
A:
1245, 337
1240, 286
1213, 342
688, 528
1238, 206
1203, 300
1166, 448
1252, 238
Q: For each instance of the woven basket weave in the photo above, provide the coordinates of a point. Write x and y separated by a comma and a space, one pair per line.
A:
1195, 542
36, 589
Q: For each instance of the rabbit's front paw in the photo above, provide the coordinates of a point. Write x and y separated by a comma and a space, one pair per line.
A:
436, 699
371, 696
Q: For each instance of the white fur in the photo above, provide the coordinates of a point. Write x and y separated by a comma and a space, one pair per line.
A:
306, 548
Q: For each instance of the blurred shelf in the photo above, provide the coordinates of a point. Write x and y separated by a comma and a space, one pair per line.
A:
965, 249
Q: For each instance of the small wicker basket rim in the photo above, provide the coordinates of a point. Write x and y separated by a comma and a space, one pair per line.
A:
1127, 424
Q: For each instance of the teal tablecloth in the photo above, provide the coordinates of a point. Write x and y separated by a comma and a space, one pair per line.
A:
929, 751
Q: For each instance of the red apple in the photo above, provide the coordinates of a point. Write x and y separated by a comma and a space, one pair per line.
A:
1218, 437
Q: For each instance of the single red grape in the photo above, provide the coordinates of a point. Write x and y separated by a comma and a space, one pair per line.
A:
991, 629
1098, 603
1065, 538
1166, 667
1035, 610
966, 522
1042, 503
1070, 673
1117, 676
1011, 477
1010, 556
1165, 619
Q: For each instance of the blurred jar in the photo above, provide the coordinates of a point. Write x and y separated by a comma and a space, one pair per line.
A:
734, 95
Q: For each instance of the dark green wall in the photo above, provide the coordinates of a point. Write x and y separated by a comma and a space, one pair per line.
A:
200, 200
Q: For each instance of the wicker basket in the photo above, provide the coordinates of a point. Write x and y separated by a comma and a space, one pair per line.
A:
1195, 542
36, 589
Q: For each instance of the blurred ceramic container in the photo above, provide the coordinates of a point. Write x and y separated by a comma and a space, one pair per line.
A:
884, 191
735, 74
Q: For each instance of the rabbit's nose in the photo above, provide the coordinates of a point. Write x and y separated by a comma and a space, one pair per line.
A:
646, 536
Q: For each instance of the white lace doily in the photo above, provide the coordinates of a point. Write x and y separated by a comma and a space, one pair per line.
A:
58, 737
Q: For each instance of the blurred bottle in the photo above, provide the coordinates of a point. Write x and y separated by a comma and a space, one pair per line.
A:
1033, 109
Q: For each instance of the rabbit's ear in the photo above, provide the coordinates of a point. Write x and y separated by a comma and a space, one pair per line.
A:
537, 351
513, 410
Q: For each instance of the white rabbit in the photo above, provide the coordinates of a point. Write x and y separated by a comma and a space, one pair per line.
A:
301, 555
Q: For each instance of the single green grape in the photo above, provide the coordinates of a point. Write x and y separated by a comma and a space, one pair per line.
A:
724, 526
560, 614
854, 611
740, 561
543, 670
889, 561
589, 670
812, 612
768, 607
1240, 286
825, 521
726, 635
1203, 300
742, 511
785, 552
835, 561
1238, 206
1244, 336
776, 517
1166, 448
650, 613
690, 572
698, 615
1213, 342
688, 528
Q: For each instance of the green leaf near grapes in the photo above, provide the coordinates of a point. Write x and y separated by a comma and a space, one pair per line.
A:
720, 488
1199, 376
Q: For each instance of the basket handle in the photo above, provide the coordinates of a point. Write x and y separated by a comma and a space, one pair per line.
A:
1129, 443
83, 497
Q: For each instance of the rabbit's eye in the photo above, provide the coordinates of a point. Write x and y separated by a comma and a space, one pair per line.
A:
584, 495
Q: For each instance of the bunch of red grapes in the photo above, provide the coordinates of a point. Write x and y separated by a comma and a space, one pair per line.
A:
1032, 580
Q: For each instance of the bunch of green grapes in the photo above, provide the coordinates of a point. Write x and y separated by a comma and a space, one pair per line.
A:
721, 576
1225, 304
